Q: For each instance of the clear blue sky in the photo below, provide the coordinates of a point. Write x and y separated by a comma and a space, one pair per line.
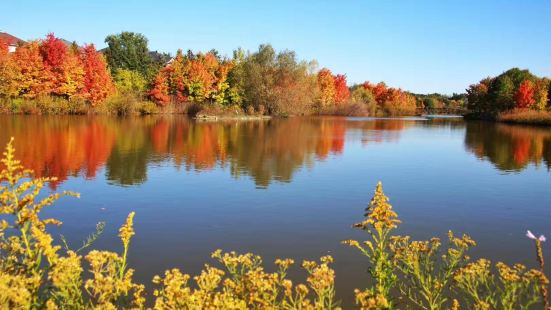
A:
422, 46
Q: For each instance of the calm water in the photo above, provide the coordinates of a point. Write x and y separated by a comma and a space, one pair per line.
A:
288, 188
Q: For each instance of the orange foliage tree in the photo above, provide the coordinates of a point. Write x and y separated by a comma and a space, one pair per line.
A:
193, 78
524, 96
326, 83
8, 72
333, 88
50, 67
393, 100
97, 80
342, 93
159, 92
541, 93
63, 65
32, 78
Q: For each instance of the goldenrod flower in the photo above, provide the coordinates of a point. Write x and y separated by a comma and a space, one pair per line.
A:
127, 230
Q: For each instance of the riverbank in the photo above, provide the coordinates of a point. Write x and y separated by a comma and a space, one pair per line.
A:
516, 116
130, 104
529, 117
115, 105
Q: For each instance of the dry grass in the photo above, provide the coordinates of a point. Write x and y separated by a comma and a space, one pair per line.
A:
350, 109
525, 116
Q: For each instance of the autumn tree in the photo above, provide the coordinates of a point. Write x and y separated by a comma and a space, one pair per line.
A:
326, 83
276, 82
8, 72
160, 91
524, 97
542, 87
259, 80
477, 97
63, 65
98, 84
333, 88
194, 78
295, 85
392, 101
32, 76
129, 81
380, 91
399, 102
221, 89
514, 88
360, 94
200, 76
342, 93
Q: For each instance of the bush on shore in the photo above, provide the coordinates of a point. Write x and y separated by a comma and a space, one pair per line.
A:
348, 109
37, 272
119, 104
44, 105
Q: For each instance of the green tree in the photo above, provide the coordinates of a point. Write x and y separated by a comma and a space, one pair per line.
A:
259, 69
236, 77
503, 89
477, 96
275, 82
128, 50
430, 103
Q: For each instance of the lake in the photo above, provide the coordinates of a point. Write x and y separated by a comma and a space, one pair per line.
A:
288, 187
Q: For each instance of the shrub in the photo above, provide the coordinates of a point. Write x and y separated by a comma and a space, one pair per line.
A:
146, 107
58, 106
121, 104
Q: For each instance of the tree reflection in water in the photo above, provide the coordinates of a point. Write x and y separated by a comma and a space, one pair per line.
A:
264, 150
509, 147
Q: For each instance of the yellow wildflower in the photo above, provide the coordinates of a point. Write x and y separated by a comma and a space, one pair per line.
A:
127, 230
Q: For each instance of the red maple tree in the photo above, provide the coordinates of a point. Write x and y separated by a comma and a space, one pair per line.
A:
98, 84
342, 93
524, 96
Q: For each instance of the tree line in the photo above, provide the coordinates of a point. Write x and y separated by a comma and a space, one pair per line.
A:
51, 67
513, 89
264, 81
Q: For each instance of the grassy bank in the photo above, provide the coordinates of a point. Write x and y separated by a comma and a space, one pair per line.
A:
516, 116
114, 105
48, 105
526, 116
131, 104
38, 271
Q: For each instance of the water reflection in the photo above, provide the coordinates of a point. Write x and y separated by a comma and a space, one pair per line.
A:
509, 147
264, 150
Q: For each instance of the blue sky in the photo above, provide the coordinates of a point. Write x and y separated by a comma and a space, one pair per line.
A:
422, 46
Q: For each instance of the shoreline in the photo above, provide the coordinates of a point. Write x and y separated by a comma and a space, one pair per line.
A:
517, 116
